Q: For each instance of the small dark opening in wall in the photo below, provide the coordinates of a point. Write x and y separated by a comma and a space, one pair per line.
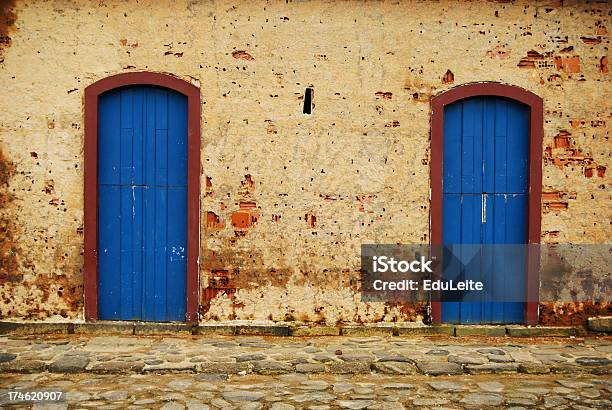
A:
308, 100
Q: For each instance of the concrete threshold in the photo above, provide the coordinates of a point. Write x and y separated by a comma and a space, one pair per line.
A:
297, 330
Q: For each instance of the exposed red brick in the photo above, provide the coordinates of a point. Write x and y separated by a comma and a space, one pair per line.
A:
534, 55
448, 77
550, 195
591, 40
601, 29
550, 237
219, 281
248, 184
499, 51
311, 219
570, 65
247, 205
601, 171
241, 220
562, 140
576, 123
603, 65
526, 63
392, 124
588, 172
557, 206
385, 95
242, 55
213, 221
209, 187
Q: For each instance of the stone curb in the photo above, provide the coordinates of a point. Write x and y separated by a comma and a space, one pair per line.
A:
270, 367
140, 328
600, 324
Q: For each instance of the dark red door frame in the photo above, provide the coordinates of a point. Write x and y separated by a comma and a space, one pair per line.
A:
92, 93
536, 131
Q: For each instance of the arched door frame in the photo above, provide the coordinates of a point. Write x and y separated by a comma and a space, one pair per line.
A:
536, 131
90, 225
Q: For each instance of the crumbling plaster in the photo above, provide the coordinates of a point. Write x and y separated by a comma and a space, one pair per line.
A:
288, 198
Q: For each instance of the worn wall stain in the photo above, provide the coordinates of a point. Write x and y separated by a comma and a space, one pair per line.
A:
288, 198
9, 267
8, 17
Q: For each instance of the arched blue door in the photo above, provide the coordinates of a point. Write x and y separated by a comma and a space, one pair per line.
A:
142, 208
485, 196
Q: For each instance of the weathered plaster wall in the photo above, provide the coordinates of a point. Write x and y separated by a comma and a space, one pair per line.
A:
288, 198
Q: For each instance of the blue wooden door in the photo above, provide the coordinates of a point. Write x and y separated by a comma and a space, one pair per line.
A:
485, 191
142, 204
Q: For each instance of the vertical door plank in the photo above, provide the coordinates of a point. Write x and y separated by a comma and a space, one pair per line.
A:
109, 261
451, 235
451, 181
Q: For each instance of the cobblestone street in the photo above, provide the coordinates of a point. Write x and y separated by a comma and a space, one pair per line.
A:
292, 390
324, 372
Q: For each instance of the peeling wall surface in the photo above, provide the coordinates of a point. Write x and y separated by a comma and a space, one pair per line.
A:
287, 198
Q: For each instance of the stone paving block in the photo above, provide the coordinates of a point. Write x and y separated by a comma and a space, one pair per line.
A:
69, 364
426, 330
170, 368
263, 330
483, 399
491, 387
541, 331
465, 359
439, 368
7, 357
356, 357
384, 357
497, 368
593, 361
271, 367
310, 368
430, 401
8, 327
364, 331
394, 368
221, 330
35, 328
162, 329
355, 404
448, 386
602, 370
104, 328
23, 366
600, 324
533, 368
116, 367
490, 331
348, 368
314, 331
242, 395
317, 396
566, 369
223, 368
